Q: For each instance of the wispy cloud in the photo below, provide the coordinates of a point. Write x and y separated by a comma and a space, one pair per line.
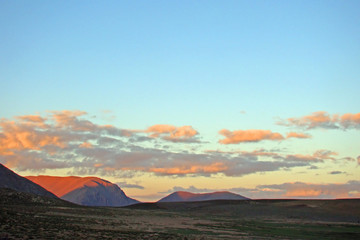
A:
255, 135
189, 189
325, 120
336, 172
305, 190
129, 185
297, 135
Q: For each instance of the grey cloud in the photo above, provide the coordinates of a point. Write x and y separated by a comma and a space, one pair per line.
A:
127, 185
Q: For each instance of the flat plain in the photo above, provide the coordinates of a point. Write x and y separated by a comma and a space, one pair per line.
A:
26, 216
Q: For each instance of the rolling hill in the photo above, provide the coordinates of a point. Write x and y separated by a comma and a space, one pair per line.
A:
182, 196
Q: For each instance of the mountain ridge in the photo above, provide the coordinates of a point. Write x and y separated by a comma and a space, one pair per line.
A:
184, 196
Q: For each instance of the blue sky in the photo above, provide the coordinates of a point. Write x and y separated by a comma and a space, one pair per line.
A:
212, 65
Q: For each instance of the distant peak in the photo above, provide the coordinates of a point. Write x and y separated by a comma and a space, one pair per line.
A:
181, 196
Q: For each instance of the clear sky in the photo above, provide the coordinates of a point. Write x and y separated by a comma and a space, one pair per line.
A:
256, 97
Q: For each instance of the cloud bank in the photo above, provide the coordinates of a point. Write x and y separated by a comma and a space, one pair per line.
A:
324, 120
69, 140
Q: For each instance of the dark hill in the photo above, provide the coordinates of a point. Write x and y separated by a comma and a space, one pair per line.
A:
9, 179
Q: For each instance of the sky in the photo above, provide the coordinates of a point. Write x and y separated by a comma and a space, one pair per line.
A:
255, 97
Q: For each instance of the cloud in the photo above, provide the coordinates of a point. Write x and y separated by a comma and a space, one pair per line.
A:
306, 190
26, 134
336, 172
85, 145
318, 156
172, 133
127, 185
349, 120
189, 189
68, 139
323, 119
215, 167
297, 135
234, 137
36, 142
256, 135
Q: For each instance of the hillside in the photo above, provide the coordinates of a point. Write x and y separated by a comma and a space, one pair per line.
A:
11, 180
88, 191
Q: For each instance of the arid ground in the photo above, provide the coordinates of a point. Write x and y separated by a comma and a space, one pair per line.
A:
26, 216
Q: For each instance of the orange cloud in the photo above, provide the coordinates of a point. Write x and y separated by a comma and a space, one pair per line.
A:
323, 119
297, 135
86, 145
350, 120
18, 136
172, 133
233, 137
303, 193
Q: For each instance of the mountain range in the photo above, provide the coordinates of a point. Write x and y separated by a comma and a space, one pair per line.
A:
182, 196
93, 191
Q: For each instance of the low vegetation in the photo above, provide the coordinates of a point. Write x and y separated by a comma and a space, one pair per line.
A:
26, 216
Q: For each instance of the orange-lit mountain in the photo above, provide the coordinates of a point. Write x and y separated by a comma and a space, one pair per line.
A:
9, 179
194, 197
89, 191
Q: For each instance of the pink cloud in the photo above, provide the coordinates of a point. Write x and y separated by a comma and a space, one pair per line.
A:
297, 135
233, 137
323, 119
172, 133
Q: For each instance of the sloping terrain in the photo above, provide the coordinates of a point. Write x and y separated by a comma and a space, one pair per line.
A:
12, 197
9, 179
89, 191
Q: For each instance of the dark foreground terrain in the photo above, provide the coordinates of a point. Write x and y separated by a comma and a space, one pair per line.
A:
26, 216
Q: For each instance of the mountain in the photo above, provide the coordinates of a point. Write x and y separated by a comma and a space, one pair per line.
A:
194, 197
88, 191
9, 179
